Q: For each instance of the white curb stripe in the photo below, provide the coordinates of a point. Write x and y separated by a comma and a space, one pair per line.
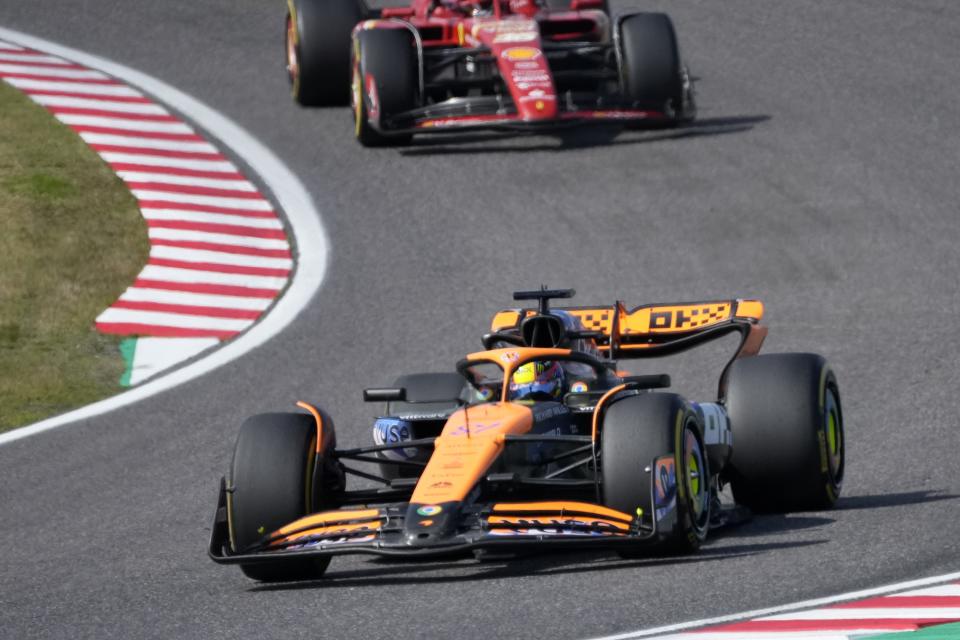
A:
147, 143
213, 218
195, 276
76, 74
211, 201
144, 126
135, 108
117, 90
167, 178
175, 163
942, 590
154, 318
218, 257
10, 47
185, 235
163, 296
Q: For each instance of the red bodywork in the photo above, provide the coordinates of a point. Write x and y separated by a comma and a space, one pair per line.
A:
519, 36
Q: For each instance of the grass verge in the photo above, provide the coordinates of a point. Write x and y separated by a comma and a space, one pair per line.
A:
71, 240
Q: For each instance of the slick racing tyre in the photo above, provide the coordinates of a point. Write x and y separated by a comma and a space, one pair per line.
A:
318, 49
270, 478
652, 74
385, 82
638, 429
788, 440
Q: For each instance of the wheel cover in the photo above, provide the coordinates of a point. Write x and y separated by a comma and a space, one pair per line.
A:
293, 60
833, 428
694, 469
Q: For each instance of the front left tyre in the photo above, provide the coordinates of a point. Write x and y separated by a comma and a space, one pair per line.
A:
636, 431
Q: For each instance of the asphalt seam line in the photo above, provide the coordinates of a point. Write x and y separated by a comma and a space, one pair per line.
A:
246, 247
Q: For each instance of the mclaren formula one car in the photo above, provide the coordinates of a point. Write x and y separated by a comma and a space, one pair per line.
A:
450, 65
541, 441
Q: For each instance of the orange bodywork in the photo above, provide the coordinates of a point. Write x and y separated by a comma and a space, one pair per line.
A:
562, 508
470, 442
319, 420
330, 523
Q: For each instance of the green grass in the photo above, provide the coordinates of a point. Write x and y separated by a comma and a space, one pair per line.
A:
71, 240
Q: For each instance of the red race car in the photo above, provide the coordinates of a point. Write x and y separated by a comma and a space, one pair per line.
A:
450, 65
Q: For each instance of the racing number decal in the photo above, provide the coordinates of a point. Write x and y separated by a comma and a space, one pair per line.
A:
688, 317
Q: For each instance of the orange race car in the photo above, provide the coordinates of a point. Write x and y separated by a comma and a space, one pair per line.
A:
541, 441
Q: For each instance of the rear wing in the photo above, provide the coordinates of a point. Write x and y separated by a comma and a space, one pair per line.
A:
657, 329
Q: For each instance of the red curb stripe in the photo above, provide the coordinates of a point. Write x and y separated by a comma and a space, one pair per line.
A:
212, 289
227, 229
203, 208
188, 310
223, 248
195, 191
136, 133
774, 626
215, 267
32, 76
46, 65
118, 115
902, 602
176, 171
163, 153
85, 96
158, 331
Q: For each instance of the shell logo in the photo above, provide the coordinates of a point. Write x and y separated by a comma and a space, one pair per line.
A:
516, 54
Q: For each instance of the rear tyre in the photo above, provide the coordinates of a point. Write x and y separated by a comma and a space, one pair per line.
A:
385, 81
638, 429
652, 74
271, 479
788, 452
318, 49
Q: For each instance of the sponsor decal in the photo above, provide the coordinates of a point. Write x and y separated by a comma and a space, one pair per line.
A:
429, 510
373, 101
453, 464
394, 431
557, 527
516, 36
331, 541
515, 54
443, 484
475, 428
509, 356
485, 393
425, 523
578, 387
664, 486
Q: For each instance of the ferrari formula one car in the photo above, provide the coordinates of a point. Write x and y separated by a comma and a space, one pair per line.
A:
540, 441
450, 65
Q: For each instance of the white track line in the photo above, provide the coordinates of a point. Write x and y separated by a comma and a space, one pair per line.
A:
669, 631
290, 193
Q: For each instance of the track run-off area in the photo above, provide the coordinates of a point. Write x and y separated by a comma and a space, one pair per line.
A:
820, 178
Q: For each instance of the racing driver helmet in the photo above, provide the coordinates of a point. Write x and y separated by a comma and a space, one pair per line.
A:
537, 380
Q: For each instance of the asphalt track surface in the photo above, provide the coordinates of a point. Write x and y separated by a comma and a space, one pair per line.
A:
821, 177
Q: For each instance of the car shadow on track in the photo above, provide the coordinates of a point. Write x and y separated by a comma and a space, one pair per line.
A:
577, 138
392, 572
849, 503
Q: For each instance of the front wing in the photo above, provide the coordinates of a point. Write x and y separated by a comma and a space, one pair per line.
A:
386, 530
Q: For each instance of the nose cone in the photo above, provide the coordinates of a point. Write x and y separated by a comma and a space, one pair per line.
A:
428, 524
